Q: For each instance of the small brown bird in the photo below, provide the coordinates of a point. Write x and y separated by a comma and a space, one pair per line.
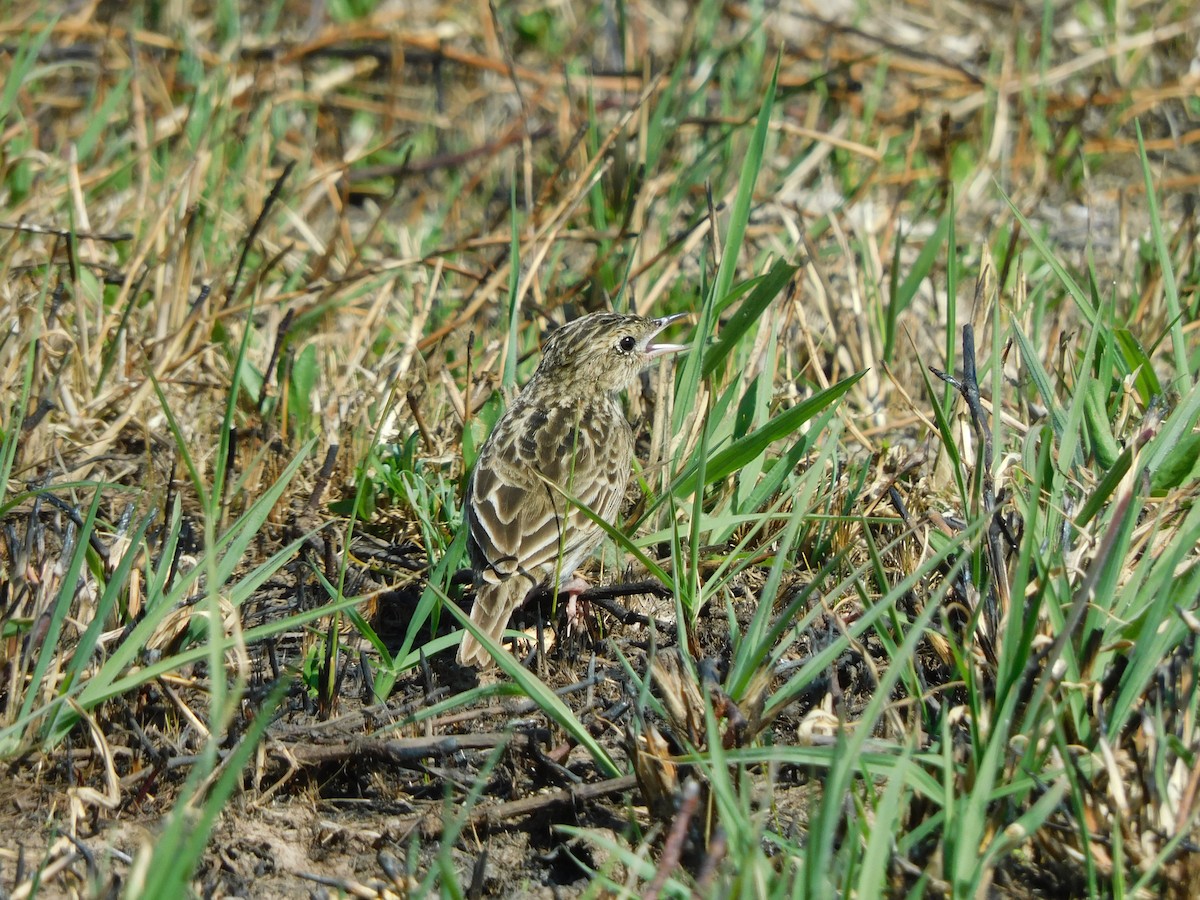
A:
565, 434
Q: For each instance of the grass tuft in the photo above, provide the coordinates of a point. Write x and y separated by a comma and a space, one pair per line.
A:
902, 599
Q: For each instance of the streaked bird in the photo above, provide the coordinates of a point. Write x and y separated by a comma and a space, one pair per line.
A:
564, 436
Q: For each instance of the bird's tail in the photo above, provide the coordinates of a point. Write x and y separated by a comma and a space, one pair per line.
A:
494, 605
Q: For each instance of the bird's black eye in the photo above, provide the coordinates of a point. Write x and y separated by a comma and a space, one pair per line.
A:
627, 343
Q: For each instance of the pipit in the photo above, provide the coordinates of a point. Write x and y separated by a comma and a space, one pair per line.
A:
565, 436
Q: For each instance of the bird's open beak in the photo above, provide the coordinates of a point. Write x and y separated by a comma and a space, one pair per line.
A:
654, 350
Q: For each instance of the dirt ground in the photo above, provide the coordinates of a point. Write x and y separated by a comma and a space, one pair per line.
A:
354, 801
351, 797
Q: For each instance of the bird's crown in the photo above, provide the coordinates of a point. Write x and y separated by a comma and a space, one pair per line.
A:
602, 352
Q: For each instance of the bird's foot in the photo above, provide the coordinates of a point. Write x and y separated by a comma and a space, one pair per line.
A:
575, 613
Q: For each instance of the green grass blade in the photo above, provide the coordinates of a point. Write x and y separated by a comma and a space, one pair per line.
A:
538, 692
1162, 257
725, 462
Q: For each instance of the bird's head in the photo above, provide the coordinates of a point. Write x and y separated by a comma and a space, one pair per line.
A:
603, 352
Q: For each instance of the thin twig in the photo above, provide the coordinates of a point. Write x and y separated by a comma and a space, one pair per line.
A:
673, 846
114, 237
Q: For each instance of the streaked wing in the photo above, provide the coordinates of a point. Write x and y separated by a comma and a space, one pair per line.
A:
501, 511
519, 521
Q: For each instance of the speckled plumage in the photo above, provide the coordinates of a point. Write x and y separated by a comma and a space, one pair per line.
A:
565, 433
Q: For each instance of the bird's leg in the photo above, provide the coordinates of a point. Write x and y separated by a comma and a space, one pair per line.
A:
573, 588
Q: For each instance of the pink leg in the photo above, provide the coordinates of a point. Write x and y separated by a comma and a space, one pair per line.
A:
573, 588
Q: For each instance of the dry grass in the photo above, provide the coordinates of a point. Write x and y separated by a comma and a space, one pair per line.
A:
266, 282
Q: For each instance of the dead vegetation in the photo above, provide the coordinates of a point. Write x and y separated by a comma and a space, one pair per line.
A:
266, 282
